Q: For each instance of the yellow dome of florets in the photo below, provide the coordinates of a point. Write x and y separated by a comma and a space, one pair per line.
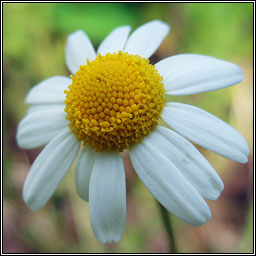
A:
114, 101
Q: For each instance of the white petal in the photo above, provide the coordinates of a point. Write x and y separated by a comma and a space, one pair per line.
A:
188, 160
49, 169
39, 127
78, 49
147, 38
107, 197
50, 90
168, 185
45, 107
115, 41
192, 73
206, 130
83, 171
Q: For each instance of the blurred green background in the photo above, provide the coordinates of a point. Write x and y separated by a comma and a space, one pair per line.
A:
34, 37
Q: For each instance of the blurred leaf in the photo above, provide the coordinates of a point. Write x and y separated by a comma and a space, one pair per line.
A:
96, 19
219, 29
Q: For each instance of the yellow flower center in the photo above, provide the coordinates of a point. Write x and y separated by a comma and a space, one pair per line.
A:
114, 101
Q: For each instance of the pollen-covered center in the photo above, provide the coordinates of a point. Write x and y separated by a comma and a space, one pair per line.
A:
114, 101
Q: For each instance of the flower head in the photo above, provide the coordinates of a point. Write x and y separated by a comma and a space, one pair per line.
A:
113, 101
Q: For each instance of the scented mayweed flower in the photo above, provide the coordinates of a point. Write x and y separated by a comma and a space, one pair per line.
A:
112, 102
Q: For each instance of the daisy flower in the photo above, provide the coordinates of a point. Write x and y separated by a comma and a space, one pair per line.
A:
112, 102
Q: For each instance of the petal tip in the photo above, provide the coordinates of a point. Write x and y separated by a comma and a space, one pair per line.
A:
247, 149
28, 199
240, 74
203, 216
79, 31
216, 194
29, 97
243, 160
200, 220
111, 239
84, 197
128, 27
27, 100
244, 152
204, 219
19, 138
106, 239
166, 25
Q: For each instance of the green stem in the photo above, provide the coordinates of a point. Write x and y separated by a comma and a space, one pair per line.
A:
168, 227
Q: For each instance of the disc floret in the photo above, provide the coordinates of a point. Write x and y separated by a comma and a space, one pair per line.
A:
114, 101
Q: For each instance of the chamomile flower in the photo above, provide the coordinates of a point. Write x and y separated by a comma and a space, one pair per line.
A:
113, 101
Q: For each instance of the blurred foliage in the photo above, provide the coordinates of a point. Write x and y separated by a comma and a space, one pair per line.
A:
224, 25
34, 36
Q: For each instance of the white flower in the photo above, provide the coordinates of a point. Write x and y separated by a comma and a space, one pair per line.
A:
119, 109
